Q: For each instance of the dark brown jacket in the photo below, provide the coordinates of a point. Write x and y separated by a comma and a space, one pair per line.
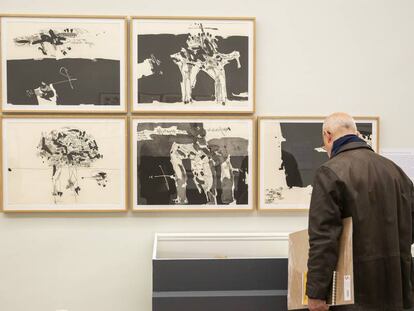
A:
378, 195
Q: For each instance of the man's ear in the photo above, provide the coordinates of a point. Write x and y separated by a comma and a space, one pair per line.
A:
329, 136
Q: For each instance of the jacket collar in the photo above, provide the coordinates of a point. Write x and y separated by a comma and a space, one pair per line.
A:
344, 140
352, 146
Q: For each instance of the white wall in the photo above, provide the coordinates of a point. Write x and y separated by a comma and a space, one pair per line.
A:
313, 58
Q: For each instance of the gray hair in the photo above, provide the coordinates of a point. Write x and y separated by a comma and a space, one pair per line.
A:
340, 123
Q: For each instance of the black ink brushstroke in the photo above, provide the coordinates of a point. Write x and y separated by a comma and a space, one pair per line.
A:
68, 148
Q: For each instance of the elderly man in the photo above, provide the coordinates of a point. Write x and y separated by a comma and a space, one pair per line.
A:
379, 197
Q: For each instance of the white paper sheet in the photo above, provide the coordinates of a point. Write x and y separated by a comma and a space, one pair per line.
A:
404, 158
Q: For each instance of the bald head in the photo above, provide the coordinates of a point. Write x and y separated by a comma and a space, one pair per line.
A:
335, 126
339, 124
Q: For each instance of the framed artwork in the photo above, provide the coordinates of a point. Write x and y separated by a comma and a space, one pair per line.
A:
64, 64
290, 152
192, 64
64, 164
195, 163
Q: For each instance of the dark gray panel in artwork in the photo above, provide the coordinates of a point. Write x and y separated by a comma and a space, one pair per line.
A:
97, 81
300, 144
299, 156
364, 128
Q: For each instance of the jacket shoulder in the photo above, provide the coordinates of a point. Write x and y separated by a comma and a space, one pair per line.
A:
364, 159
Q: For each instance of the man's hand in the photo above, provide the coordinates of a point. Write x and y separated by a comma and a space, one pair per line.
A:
317, 305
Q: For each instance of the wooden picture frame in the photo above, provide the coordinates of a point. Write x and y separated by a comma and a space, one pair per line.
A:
285, 173
68, 163
64, 63
210, 160
192, 64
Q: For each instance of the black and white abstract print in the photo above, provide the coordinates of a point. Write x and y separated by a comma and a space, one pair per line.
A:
193, 65
290, 153
63, 64
64, 164
69, 148
192, 164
